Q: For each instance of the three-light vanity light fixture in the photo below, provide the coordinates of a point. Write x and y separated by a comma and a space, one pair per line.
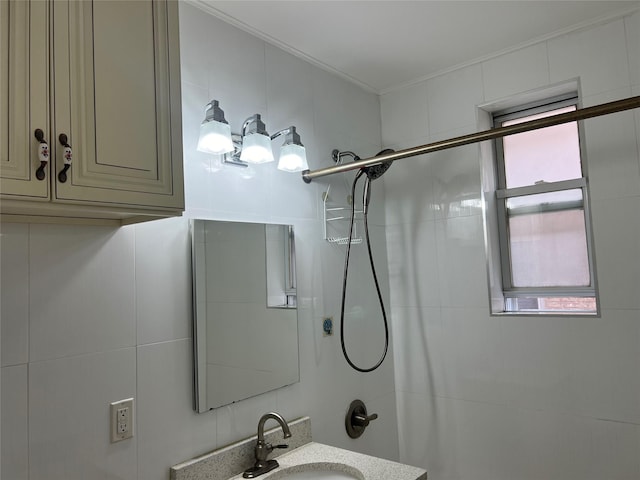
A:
252, 144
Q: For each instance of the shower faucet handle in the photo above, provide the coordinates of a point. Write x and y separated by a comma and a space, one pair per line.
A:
357, 419
363, 420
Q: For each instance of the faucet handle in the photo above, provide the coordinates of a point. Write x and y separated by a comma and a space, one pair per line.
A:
269, 447
357, 418
363, 420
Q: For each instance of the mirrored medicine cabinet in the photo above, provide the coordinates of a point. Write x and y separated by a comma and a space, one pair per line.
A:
245, 310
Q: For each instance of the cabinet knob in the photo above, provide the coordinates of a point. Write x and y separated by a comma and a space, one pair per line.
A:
67, 155
43, 154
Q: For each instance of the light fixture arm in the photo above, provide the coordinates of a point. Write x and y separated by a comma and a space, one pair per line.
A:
284, 131
243, 130
254, 124
291, 136
233, 158
259, 127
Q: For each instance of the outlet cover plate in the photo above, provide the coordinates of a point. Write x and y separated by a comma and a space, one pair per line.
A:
121, 420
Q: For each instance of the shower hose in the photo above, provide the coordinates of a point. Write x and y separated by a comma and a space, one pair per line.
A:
365, 203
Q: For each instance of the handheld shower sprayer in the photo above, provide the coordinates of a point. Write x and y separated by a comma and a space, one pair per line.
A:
371, 173
366, 196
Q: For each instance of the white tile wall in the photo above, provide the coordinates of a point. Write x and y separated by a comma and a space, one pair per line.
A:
598, 56
329, 107
413, 264
69, 416
236, 66
418, 180
483, 397
14, 294
289, 87
454, 174
91, 315
168, 430
632, 29
419, 330
451, 98
512, 73
461, 262
81, 290
538, 363
15, 418
405, 115
611, 160
163, 281
616, 242
603, 356
436, 447
472, 356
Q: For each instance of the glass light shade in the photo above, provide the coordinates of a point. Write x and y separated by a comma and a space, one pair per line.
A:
215, 137
293, 158
256, 148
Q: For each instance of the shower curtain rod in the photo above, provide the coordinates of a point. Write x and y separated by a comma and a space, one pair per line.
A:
580, 114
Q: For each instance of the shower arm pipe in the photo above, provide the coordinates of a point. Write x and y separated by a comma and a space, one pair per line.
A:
580, 114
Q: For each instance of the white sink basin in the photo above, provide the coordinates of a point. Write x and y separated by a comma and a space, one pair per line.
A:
318, 471
318, 475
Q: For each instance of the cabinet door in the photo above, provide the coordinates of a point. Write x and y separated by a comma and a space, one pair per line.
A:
24, 97
117, 99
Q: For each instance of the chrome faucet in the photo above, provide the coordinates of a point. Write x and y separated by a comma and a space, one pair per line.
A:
263, 449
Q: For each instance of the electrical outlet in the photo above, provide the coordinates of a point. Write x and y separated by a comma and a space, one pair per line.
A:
121, 420
122, 414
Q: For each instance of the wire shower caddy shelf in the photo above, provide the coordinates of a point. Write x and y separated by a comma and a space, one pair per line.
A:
337, 216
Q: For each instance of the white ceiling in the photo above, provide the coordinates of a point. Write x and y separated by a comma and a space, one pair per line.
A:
382, 45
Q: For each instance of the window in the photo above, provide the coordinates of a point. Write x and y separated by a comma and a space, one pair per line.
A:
543, 226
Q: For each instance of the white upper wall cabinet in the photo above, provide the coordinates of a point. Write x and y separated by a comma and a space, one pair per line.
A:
100, 79
24, 103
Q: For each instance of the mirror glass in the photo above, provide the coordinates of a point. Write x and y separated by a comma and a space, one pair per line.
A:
245, 315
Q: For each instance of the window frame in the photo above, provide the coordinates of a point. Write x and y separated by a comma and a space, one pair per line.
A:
511, 293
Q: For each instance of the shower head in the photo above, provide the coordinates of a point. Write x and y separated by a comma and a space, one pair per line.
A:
376, 171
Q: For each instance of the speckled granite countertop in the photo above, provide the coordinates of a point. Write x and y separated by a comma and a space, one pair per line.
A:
313, 456
229, 462
225, 462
